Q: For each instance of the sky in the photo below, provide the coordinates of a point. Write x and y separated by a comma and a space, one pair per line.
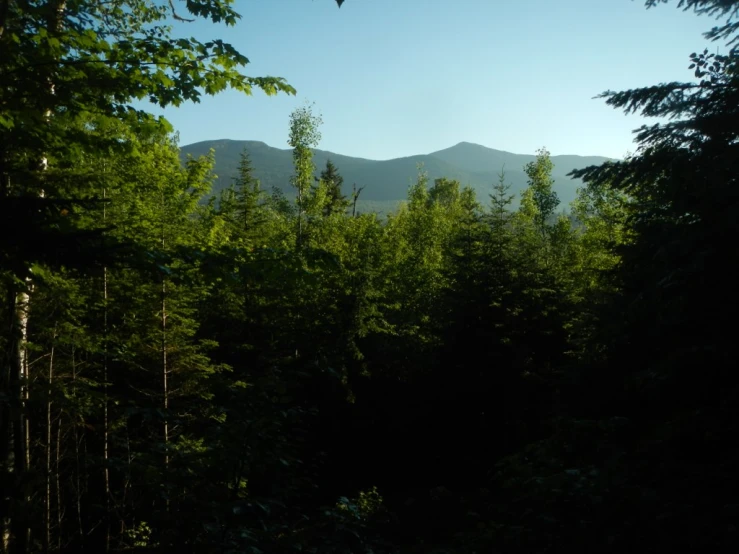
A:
395, 78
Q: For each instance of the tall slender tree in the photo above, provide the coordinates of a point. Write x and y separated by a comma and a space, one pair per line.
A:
304, 135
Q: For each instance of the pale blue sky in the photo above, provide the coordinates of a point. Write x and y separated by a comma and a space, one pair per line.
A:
400, 77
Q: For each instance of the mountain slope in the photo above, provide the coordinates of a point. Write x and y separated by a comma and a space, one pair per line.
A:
388, 180
480, 159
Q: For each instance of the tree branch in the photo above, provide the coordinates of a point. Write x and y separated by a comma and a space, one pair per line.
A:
131, 62
177, 17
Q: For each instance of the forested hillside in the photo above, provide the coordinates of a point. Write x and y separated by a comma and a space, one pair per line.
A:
386, 182
252, 373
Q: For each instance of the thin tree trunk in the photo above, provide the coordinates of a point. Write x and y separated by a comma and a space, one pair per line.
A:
165, 369
47, 511
78, 488
21, 431
7, 450
299, 236
7, 378
78, 482
165, 384
59, 512
127, 483
106, 445
355, 197
19, 539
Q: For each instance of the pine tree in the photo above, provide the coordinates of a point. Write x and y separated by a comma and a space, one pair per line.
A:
242, 205
644, 417
336, 202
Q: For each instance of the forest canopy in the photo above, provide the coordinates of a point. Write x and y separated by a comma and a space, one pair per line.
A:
252, 372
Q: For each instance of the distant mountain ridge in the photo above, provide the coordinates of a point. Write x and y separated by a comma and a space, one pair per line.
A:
388, 180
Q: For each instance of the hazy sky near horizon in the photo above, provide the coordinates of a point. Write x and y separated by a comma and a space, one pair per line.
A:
394, 78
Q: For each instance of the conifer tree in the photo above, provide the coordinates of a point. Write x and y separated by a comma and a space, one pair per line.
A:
336, 200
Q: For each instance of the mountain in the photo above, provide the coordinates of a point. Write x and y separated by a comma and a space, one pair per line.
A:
480, 159
387, 181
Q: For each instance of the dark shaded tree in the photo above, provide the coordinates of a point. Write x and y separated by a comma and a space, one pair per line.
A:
336, 201
651, 410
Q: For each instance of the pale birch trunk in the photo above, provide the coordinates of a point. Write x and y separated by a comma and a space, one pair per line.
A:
21, 433
17, 533
14, 430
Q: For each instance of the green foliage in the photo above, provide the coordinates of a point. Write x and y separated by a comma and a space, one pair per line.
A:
384, 180
647, 271
600, 216
336, 202
726, 9
191, 378
243, 209
288, 370
366, 504
304, 135
140, 536
544, 198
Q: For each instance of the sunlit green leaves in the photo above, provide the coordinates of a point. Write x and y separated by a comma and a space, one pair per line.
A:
102, 56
